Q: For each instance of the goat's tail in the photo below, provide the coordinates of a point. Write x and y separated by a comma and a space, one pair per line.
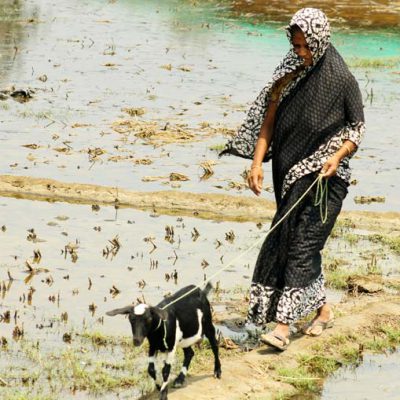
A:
207, 289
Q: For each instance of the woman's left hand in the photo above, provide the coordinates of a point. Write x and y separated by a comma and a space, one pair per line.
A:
330, 167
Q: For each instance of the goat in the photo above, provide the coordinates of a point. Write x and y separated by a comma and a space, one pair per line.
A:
181, 324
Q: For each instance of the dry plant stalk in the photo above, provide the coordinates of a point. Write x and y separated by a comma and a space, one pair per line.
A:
207, 169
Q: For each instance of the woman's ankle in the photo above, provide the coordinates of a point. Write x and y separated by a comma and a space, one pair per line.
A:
325, 312
282, 328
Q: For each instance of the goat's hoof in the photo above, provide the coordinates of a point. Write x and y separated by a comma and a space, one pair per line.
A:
217, 373
164, 396
179, 382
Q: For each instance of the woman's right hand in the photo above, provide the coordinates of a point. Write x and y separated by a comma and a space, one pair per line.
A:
255, 179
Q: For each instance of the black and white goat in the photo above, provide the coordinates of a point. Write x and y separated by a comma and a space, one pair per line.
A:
181, 324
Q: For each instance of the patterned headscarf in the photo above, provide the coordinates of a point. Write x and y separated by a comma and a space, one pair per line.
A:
316, 29
315, 26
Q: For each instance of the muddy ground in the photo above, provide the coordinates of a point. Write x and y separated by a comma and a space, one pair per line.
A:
266, 374
219, 207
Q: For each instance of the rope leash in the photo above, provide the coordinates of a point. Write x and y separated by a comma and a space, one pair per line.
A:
322, 192
321, 199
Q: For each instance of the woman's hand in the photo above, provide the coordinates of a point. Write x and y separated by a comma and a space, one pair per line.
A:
330, 167
255, 179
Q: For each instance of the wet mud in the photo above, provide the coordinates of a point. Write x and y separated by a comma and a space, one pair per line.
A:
358, 14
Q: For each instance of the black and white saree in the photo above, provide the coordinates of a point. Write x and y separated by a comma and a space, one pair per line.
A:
318, 110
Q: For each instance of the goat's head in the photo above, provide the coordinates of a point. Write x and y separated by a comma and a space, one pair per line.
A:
144, 319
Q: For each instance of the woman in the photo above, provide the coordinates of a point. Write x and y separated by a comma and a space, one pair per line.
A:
309, 120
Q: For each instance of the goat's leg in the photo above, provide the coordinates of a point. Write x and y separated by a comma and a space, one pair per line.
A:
209, 331
188, 355
151, 369
165, 375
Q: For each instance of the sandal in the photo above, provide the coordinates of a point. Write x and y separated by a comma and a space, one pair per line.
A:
275, 340
316, 326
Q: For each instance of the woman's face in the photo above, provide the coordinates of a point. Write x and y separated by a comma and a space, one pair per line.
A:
301, 48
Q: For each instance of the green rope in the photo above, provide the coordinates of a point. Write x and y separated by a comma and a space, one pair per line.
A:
317, 181
321, 198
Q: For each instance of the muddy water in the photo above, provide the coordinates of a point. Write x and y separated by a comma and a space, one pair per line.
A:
80, 265
355, 384
79, 273
182, 64
138, 269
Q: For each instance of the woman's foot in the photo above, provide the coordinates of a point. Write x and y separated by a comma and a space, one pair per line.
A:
323, 320
278, 338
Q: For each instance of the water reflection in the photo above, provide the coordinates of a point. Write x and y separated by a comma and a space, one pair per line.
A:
18, 20
375, 378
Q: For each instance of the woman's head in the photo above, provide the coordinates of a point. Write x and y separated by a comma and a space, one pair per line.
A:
300, 45
309, 33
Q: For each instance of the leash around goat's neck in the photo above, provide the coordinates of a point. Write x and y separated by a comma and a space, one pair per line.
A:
165, 331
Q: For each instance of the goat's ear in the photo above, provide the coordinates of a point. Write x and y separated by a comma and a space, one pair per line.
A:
163, 314
123, 310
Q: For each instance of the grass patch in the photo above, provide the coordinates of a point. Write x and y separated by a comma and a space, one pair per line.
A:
34, 373
308, 371
344, 349
342, 226
337, 279
383, 62
300, 378
351, 238
392, 242
99, 339
38, 115
319, 364
203, 360
217, 147
18, 395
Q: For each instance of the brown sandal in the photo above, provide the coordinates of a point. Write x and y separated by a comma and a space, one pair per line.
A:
275, 340
316, 326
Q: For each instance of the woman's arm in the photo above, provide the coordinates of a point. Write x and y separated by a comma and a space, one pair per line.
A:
330, 167
355, 123
255, 177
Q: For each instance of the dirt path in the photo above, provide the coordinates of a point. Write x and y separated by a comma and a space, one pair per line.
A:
201, 205
208, 206
255, 375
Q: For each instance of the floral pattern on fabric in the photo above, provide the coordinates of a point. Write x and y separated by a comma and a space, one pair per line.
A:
287, 306
316, 161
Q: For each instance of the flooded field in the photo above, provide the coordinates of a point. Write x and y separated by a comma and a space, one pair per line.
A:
355, 382
88, 66
66, 265
141, 95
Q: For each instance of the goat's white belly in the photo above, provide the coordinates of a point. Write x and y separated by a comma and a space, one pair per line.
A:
189, 341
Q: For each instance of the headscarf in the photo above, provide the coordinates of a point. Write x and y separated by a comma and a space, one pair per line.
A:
317, 104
